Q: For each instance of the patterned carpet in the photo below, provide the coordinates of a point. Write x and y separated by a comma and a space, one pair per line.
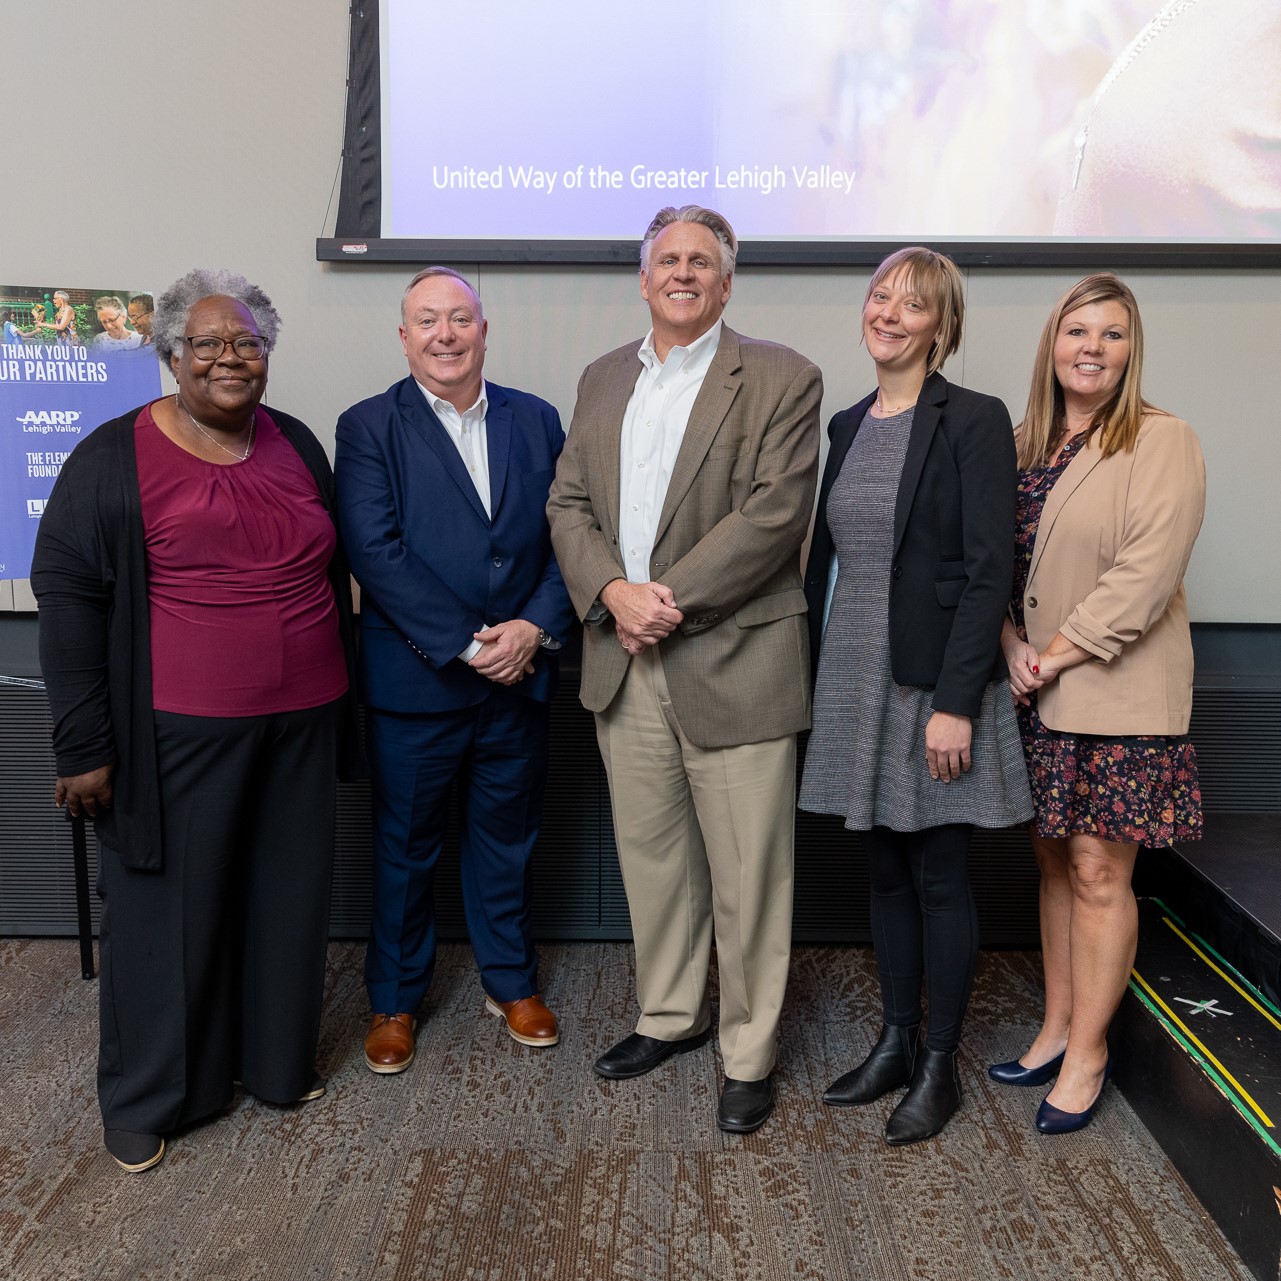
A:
490, 1162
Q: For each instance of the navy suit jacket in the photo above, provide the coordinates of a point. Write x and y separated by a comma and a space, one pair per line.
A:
432, 566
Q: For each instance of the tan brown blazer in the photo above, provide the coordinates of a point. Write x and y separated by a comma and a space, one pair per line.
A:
728, 545
1107, 571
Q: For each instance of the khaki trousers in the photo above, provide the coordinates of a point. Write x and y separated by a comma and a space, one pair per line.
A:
705, 841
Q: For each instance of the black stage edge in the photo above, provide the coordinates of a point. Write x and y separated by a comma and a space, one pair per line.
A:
1197, 1041
1227, 887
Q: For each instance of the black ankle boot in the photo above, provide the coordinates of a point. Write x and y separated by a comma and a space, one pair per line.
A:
888, 1067
931, 1099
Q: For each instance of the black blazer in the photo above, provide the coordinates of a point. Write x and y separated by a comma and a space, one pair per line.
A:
953, 564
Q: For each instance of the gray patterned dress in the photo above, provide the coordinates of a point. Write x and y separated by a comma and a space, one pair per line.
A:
866, 756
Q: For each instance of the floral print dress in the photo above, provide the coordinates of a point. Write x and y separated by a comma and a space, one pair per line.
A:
1142, 789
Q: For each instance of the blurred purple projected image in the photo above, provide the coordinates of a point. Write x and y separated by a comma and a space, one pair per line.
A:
958, 119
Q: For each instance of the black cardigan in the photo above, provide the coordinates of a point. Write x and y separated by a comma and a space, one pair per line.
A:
952, 569
89, 575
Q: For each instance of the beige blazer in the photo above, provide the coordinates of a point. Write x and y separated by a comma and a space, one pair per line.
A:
729, 536
1107, 571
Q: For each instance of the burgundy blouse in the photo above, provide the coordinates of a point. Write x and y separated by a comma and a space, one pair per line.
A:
243, 620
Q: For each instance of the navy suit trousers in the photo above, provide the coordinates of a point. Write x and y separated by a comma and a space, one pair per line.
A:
495, 756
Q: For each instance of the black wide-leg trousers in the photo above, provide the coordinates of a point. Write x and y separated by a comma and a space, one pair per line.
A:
212, 969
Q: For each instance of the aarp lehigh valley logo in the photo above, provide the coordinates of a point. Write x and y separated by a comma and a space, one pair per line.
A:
35, 507
43, 421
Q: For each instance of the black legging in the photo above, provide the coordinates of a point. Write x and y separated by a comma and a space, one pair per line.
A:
924, 924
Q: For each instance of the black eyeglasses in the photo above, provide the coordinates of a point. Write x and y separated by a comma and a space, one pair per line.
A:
208, 348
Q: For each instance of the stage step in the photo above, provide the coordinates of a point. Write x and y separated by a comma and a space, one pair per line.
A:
1227, 887
1198, 1056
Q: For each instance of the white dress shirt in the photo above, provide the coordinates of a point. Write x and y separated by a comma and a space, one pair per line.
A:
467, 431
653, 428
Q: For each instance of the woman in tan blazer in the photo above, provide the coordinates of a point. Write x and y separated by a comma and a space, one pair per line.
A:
1110, 500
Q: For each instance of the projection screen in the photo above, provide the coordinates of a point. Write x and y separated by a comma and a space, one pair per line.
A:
1022, 132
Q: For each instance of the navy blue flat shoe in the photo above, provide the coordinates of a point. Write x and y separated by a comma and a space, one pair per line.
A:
1052, 1120
1014, 1073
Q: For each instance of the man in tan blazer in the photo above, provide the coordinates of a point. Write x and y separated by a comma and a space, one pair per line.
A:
677, 514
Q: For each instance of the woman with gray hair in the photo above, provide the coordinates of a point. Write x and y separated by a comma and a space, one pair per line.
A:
195, 637
64, 320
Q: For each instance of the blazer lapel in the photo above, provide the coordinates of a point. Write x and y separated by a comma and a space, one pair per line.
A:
1066, 485
498, 440
423, 423
617, 392
720, 387
842, 439
929, 410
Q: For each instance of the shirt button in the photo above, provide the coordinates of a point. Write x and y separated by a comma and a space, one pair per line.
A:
898, 571
636, 507
498, 562
641, 466
1031, 602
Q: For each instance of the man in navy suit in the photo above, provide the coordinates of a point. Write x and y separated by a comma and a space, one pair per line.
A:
442, 482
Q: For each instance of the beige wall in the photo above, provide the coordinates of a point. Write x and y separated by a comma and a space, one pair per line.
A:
127, 192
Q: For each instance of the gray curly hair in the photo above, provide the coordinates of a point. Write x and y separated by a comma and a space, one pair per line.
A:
173, 305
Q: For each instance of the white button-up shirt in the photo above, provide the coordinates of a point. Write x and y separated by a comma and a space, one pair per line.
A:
467, 431
653, 428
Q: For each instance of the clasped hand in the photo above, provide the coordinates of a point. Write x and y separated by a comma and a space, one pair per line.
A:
644, 613
1026, 676
506, 651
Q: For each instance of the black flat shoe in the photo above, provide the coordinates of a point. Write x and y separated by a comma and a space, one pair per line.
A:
930, 1102
1014, 1073
316, 1090
134, 1152
886, 1068
745, 1105
636, 1054
1052, 1120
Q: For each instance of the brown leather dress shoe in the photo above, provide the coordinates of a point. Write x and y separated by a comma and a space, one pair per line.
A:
529, 1021
389, 1043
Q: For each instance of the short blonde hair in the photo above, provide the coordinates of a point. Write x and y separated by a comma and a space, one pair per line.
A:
1116, 422
939, 282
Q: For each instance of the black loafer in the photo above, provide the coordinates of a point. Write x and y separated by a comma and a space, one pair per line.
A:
745, 1105
636, 1054
134, 1152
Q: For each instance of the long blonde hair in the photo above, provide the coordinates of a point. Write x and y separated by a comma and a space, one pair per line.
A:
1118, 421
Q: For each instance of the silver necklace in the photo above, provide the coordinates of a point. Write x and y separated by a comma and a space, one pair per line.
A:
880, 404
1163, 19
213, 440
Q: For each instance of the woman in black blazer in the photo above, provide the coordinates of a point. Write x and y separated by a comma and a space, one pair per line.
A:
914, 738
